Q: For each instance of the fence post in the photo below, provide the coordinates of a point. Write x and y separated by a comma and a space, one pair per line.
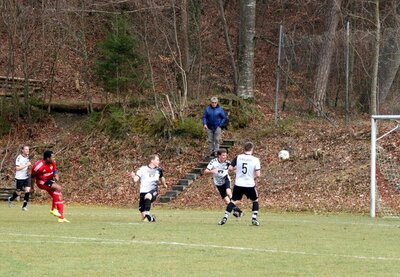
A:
347, 70
278, 75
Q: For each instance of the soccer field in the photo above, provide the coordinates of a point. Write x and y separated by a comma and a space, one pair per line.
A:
103, 241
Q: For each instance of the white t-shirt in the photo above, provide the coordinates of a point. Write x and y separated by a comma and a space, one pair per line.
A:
23, 173
246, 167
149, 178
222, 174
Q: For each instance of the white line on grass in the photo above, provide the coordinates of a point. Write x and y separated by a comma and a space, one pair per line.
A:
194, 245
396, 224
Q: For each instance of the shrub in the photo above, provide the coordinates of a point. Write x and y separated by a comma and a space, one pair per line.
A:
117, 124
189, 127
159, 126
240, 115
113, 121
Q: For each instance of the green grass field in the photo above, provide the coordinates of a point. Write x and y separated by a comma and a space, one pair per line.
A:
102, 241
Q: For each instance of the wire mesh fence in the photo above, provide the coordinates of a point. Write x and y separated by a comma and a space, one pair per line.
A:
350, 73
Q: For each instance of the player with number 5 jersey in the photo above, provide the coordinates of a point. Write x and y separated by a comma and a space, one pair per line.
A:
248, 169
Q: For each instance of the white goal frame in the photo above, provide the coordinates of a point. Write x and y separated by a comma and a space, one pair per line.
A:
374, 139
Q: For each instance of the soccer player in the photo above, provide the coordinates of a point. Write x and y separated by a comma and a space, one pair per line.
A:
149, 176
247, 169
222, 181
22, 164
46, 175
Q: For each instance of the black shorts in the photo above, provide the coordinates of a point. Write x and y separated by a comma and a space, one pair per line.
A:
222, 189
238, 192
153, 193
49, 183
21, 184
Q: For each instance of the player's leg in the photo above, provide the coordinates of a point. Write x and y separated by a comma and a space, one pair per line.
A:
46, 186
58, 201
252, 194
224, 194
27, 190
141, 206
237, 212
148, 199
236, 195
16, 193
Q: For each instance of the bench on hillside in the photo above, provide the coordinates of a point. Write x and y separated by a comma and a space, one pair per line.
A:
6, 192
16, 86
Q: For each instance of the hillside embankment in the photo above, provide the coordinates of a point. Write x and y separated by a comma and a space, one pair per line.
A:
328, 170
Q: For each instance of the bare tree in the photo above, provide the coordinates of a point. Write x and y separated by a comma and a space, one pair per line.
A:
325, 57
389, 60
23, 22
228, 44
375, 64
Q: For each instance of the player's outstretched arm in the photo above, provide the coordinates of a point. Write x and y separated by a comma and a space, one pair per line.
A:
163, 182
209, 171
135, 177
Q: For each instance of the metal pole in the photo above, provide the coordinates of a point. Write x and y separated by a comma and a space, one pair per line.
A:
347, 70
373, 165
278, 75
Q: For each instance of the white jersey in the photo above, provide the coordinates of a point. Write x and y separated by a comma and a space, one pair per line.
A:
246, 167
149, 178
23, 173
222, 174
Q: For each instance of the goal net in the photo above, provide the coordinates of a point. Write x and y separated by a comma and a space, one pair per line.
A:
385, 165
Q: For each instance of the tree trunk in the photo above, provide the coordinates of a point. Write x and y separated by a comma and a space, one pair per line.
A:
327, 49
184, 41
228, 45
374, 82
246, 49
389, 63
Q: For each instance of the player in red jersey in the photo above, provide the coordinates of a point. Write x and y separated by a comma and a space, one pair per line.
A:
46, 175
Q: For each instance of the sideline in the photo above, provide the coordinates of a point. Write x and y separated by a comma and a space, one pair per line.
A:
59, 239
388, 222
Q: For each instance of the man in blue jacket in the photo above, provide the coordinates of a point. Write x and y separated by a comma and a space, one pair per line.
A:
214, 118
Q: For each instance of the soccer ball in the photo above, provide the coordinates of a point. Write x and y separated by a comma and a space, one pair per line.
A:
283, 155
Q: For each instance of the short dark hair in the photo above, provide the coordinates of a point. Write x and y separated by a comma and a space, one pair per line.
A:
248, 146
47, 154
221, 151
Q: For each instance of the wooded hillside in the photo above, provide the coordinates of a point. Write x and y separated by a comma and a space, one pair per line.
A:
144, 70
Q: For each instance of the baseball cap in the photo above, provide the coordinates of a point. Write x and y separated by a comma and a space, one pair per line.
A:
214, 99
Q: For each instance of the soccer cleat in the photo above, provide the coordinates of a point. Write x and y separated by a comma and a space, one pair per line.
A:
9, 202
238, 213
55, 212
63, 220
149, 218
222, 221
255, 222
24, 209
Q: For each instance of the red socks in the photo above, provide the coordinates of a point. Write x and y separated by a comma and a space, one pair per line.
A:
58, 203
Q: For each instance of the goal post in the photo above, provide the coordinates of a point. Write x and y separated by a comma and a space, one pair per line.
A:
385, 165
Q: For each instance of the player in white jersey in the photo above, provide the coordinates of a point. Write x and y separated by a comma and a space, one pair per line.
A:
150, 176
247, 171
22, 182
221, 179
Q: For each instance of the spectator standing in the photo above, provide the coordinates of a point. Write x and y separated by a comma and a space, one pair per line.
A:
214, 118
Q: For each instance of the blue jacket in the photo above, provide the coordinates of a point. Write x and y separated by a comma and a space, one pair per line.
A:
214, 117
